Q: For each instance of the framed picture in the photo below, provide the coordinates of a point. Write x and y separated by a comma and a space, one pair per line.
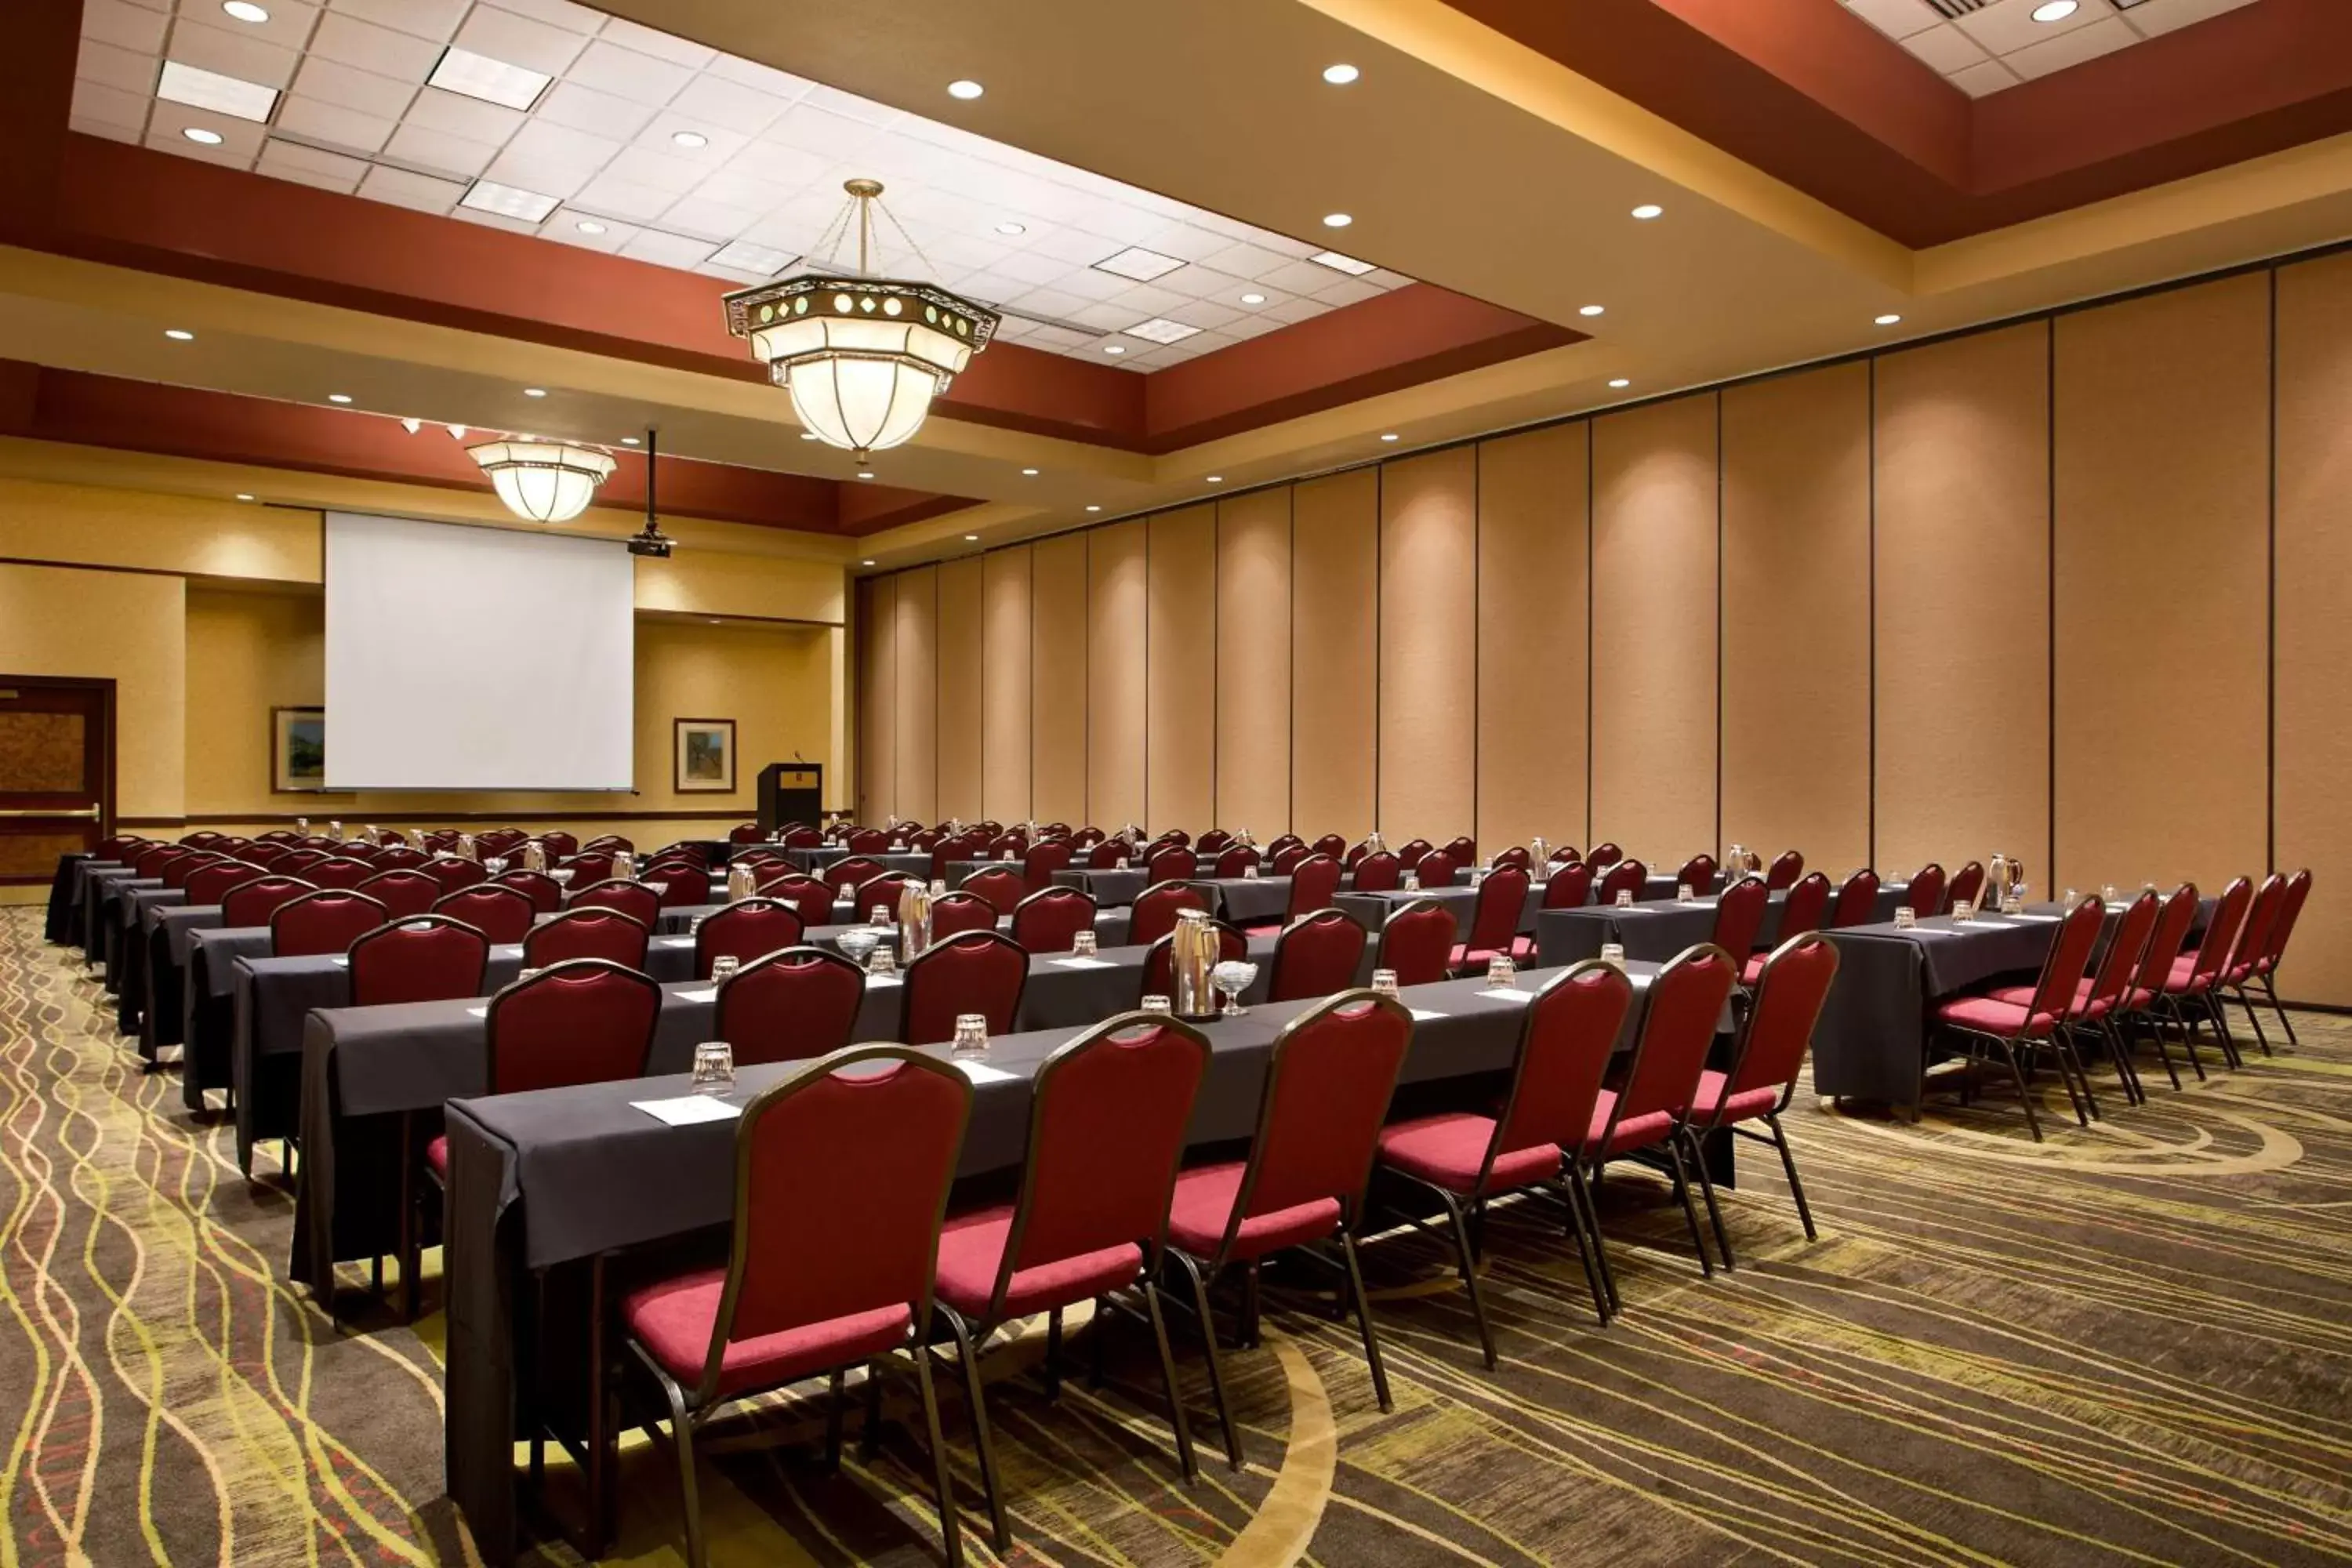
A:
298, 749
705, 755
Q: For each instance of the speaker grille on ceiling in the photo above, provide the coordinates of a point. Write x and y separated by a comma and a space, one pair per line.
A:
1953, 10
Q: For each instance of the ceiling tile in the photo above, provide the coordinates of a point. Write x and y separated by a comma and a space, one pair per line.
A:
226, 53
1143, 300
288, 24
1348, 291
403, 189
1202, 283
624, 73
354, 42
1292, 313
458, 115
611, 195
495, 220
1255, 262
309, 166
1895, 18
124, 70
2102, 37
1049, 304
570, 104
711, 220
715, 100
557, 146
560, 13
819, 130
110, 105
106, 128
667, 249
2006, 26
518, 40
758, 78
348, 87
661, 46
435, 19
1299, 277
126, 27
563, 225
2155, 17
320, 120
1985, 77
1945, 47
240, 139
719, 144
439, 152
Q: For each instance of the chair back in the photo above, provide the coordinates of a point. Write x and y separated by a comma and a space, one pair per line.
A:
2069, 960
634, 899
747, 931
1045, 858
1740, 916
156, 859
588, 931
607, 843
1173, 862
1050, 921
1316, 957
1434, 869
1314, 878
1462, 850
802, 837
1857, 901
1013, 845
807, 895
1331, 844
1623, 876
177, 873
266, 855
403, 891
680, 884
869, 841
1967, 883
1213, 841
2125, 949
1285, 841
1516, 855
789, 1005
1502, 901
746, 833
1566, 854
207, 884
1105, 853
327, 920
1156, 908
850, 870
113, 850
503, 914
982, 971
1409, 856
1567, 1037
2298, 889
2173, 922
1604, 855
586, 1020
456, 875
1778, 1029
1235, 861
1087, 838
1379, 872
999, 885
1570, 886
1328, 1082
1924, 894
2254, 936
425, 958
253, 901
883, 889
1417, 942
1697, 874
1107, 1122
545, 893
1787, 867
1158, 976
1282, 862
2221, 933
1175, 835
1686, 998
297, 861
960, 911
399, 857
1806, 906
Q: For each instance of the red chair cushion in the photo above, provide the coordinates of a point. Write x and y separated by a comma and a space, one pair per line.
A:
1633, 1133
973, 1248
2184, 972
1746, 1105
1446, 1151
436, 1155
1203, 1206
673, 1320
1988, 1016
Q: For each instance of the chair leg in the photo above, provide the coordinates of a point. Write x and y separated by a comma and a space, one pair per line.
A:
2024, 1097
1177, 1420
2285, 1022
2214, 1010
1100, 1344
1587, 1236
870, 1432
833, 1420
1690, 1211
411, 1243
1251, 1283
2246, 1000
969, 1359
950, 1530
1707, 1190
1364, 1322
1053, 1355
2069, 1068
1789, 1165
1469, 1267
1589, 1186
681, 1439
2155, 1022
1216, 1369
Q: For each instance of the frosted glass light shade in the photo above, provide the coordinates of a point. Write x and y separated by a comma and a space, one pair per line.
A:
862, 357
544, 481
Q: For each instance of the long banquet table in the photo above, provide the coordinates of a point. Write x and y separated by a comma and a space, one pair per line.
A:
1660, 928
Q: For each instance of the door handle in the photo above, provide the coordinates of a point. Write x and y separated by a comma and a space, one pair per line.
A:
90, 810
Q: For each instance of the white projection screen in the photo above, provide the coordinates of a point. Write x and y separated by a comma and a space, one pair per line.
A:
477, 658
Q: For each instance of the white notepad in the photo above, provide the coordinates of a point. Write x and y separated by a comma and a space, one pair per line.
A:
688, 1109
342, 961
707, 993
981, 1072
1085, 963
1507, 994
1423, 1015
477, 1012
874, 980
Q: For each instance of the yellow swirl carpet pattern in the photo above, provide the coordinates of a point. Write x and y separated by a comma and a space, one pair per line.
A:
2129, 1345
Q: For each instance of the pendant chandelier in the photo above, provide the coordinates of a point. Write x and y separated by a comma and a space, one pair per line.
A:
544, 481
863, 356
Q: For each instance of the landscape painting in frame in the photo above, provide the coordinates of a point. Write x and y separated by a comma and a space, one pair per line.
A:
298, 749
705, 755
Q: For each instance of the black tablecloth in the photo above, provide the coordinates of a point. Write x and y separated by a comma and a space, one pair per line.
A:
56, 925
1371, 910
1659, 928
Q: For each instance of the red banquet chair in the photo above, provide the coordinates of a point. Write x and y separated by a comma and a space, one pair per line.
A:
2193, 989
209, 884
1566, 1036
1090, 1220
1410, 857
558, 845
1604, 856
681, 885
326, 922
747, 932
805, 893
403, 891
1235, 861
789, 1005
1697, 874
398, 857
953, 912
424, 958
1739, 914
1050, 921
1328, 1081
1157, 976
297, 861
869, 841
503, 914
545, 893
883, 890
1156, 908
1170, 863
1766, 1060
589, 932
1516, 855
1787, 867
2138, 1005
154, 860
2099, 998
1857, 901
634, 899
999, 885
1108, 853
1923, 894
1625, 876
1570, 886
1966, 884
747, 833
112, 851
605, 844
1462, 850
1285, 841
1043, 861
1331, 844
1434, 869
1417, 942
1214, 841
1314, 880
1282, 862
982, 971
2013, 1027
814, 1287
1318, 956
2259, 962
1494, 920
454, 874
253, 902
1804, 909
2252, 936
851, 871
1379, 872
1567, 853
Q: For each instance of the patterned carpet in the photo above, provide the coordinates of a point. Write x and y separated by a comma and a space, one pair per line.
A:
2132, 1344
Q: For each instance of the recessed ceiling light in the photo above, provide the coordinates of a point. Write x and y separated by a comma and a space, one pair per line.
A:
1336, 220
1388, 434
864, 473
493, 81
1216, 479
1093, 508
339, 397
1339, 263
629, 441
246, 10
242, 496
865, 563
714, 620
808, 435
1340, 75
1590, 309
2055, 10
1160, 330
743, 255
179, 334
965, 90
1013, 228
689, 138
1253, 299
201, 137
1621, 383
534, 392
1140, 263
1889, 319
1029, 473
1649, 210
589, 225
1114, 348
222, 94
507, 201
971, 539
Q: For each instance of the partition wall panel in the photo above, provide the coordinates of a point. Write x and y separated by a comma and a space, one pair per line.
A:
1253, 663
916, 708
2313, 770
1004, 681
1533, 539
1181, 668
1654, 503
1429, 645
1796, 616
1334, 652
877, 666
1963, 591
1060, 709
962, 654
1117, 600
2162, 587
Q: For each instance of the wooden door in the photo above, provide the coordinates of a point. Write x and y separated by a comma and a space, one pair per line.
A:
57, 772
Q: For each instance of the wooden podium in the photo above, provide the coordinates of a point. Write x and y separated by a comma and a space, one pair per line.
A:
792, 791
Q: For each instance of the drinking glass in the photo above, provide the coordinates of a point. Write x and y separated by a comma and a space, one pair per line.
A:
1501, 973
1905, 917
723, 968
1233, 977
495, 865
1684, 893
858, 943
714, 1068
1384, 981
1158, 1004
970, 1037
884, 961
1613, 953
1082, 943
879, 915
1624, 898
1412, 881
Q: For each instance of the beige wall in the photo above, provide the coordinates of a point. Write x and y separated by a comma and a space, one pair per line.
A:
1843, 609
128, 627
